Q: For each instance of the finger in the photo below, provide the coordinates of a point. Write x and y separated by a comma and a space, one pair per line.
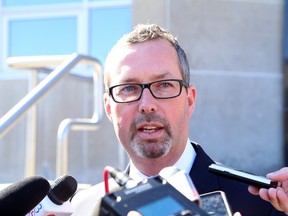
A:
272, 193
263, 193
253, 190
237, 214
284, 185
277, 197
283, 200
279, 175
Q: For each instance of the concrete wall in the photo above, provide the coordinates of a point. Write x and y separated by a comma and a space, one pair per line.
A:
12, 146
88, 152
235, 53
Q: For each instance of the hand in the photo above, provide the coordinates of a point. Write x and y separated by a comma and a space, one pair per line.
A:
277, 196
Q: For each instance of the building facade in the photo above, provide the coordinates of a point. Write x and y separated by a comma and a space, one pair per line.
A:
235, 50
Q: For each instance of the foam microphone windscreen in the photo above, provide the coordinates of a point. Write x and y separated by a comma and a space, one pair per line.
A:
21, 197
62, 189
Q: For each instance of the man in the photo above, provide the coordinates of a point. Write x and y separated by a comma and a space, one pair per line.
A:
149, 101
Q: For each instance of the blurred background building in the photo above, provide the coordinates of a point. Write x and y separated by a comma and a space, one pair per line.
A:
236, 55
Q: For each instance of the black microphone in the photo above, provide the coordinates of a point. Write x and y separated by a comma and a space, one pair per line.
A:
62, 189
57, 200
19, 198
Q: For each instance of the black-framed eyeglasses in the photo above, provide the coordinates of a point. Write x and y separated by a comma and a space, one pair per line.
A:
161, 89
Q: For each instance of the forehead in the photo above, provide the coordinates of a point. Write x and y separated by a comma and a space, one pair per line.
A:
143, 62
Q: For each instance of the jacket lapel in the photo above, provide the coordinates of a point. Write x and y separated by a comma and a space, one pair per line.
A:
203, 180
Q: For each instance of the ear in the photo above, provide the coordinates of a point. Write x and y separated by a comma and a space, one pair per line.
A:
191, 99
107, 106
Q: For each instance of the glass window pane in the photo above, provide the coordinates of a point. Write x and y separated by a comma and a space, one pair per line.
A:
104, 0
7, 3
49, 36
107, 25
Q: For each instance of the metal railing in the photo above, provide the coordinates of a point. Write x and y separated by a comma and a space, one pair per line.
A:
65, 64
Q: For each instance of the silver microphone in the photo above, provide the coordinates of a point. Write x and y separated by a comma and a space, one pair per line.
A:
181, 181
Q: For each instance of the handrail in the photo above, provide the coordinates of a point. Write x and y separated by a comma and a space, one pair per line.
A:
15, 113
10, 118
71, 74
78, 124
41, 63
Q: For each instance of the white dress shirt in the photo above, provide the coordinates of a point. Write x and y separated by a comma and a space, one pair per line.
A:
185, 162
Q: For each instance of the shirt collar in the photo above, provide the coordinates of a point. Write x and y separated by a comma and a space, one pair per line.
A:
185, 162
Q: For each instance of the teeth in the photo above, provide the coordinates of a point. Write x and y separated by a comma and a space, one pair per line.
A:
149, 129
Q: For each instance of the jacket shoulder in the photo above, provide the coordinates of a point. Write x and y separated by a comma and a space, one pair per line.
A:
88, 200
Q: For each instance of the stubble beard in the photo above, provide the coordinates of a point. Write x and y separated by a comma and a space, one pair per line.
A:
150, 148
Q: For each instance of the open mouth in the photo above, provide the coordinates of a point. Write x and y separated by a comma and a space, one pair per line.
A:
149, 129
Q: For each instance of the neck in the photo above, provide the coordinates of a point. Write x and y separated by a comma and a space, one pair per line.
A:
152, 167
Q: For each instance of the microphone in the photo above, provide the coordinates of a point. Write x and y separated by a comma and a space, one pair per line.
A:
214, 203
121, 178
181, 181
151, 194
56, 202
19, 198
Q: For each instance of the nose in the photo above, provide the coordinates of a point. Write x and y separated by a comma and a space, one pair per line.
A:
147, 102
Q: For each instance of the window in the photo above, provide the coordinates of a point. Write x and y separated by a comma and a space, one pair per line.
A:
8, 3
61, 27
107, 25
48, 36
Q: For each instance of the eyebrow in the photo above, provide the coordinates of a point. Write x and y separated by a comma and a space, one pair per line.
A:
156, 77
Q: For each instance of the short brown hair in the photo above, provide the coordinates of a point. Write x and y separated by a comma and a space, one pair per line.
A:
146, 32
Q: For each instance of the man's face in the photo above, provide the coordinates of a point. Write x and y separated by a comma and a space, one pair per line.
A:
149, 128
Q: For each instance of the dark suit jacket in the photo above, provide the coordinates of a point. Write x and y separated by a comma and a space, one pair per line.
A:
237, 193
